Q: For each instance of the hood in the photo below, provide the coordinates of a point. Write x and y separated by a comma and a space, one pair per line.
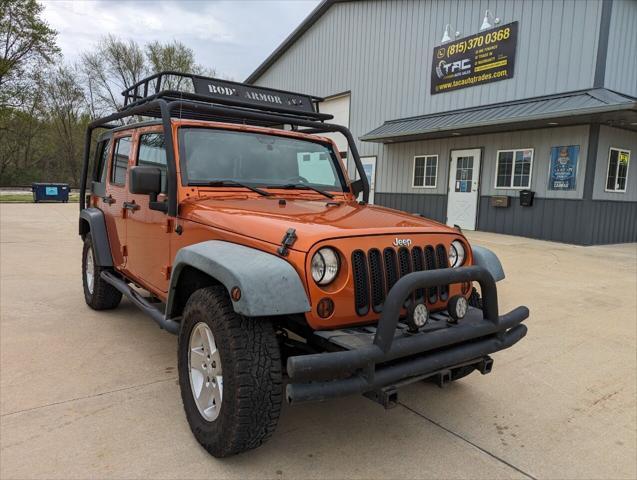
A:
315, 220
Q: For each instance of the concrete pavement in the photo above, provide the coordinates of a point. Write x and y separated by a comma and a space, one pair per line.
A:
94, 395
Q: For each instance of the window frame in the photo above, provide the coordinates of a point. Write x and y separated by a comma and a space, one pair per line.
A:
424, 177
618, 150
139, 147
497, 164
114, 154
102, 149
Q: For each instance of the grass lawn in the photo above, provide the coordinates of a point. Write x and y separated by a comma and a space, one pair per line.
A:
28, 198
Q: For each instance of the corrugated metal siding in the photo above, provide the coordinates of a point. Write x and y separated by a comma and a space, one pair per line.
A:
613, 222
430, 206
615, 137
570, 221
621, 63
382, 52
394, 174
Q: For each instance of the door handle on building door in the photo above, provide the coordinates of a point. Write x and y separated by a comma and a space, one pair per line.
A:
109, 200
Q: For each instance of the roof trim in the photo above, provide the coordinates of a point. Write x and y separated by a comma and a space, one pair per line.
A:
305, 25
610, 102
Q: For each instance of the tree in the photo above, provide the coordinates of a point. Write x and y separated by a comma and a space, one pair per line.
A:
66, 114
175, 57
113, 66
26, 41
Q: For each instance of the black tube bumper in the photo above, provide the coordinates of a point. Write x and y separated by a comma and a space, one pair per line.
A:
393, 359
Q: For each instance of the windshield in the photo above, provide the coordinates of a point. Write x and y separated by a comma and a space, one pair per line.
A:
255, 159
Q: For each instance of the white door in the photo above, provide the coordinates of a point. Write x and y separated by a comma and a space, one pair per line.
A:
369, 164
464, 182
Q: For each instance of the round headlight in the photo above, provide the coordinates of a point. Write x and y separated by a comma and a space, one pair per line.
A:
325, 266
456, 254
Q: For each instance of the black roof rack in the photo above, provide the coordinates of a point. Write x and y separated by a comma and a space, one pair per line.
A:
175, 86
168, 95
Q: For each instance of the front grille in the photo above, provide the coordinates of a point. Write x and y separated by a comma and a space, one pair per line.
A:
375, 274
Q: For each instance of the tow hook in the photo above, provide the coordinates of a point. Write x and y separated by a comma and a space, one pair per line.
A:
387, 397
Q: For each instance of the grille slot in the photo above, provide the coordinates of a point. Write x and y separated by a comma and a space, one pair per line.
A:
376, 272
391, 269
361, 282
377, 279
443, 262
418, 266
430, 264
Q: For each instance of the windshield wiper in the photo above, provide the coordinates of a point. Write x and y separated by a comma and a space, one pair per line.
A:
301, 186
230, 183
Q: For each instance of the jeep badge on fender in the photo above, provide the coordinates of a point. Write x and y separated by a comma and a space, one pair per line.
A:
248, 242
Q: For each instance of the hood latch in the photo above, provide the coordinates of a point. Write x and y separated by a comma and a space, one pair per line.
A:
288, 240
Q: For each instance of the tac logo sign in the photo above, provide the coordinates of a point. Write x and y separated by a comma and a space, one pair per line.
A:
444, 69
487, 56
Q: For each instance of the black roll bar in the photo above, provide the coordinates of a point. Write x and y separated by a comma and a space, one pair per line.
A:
160, 107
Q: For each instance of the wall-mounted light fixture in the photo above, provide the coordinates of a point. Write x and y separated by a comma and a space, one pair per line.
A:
489, 21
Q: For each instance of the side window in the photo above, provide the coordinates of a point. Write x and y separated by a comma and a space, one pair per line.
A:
152, 153
618, 163
101, 164
120, 160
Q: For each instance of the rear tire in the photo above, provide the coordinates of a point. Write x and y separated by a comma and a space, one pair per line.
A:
98, 294
246, 411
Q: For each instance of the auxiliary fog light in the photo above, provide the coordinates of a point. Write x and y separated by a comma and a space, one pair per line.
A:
418, 317
457, 307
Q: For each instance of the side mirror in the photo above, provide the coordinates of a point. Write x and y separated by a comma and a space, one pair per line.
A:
357, 187
145, 180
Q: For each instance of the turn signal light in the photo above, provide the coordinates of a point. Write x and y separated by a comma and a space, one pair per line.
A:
325, 307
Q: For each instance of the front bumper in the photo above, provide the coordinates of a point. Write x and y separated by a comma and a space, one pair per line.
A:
392, 357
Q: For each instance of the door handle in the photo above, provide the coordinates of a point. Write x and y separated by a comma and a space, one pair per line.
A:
131, 205
109, 200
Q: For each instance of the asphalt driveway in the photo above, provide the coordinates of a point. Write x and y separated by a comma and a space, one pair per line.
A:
94, 395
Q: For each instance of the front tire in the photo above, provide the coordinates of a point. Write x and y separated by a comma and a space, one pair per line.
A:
99, 295
229, 373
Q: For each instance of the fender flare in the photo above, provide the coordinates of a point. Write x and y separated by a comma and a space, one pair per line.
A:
269, 285
486, 258
97, 229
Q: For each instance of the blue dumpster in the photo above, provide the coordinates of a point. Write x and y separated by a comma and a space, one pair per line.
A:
52, 192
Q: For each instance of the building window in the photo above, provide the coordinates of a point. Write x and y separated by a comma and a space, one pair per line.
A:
425, 171
513, 169
618, 162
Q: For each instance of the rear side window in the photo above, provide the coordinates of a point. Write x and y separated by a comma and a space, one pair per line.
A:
120, 160
101, 161
152, 153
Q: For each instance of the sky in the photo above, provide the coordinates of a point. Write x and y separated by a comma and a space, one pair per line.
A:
233, 37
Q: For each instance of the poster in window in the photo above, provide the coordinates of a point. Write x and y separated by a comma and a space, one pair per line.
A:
563, 172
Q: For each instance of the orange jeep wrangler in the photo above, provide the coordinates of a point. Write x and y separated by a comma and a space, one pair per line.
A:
233, 224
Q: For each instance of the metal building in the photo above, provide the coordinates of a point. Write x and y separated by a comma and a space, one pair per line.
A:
515, 116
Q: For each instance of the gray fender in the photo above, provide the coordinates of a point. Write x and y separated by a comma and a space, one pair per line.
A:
269, 285
489, 260
97, 225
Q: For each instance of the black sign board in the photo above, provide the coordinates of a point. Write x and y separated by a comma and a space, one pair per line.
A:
486, 57
250, 95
